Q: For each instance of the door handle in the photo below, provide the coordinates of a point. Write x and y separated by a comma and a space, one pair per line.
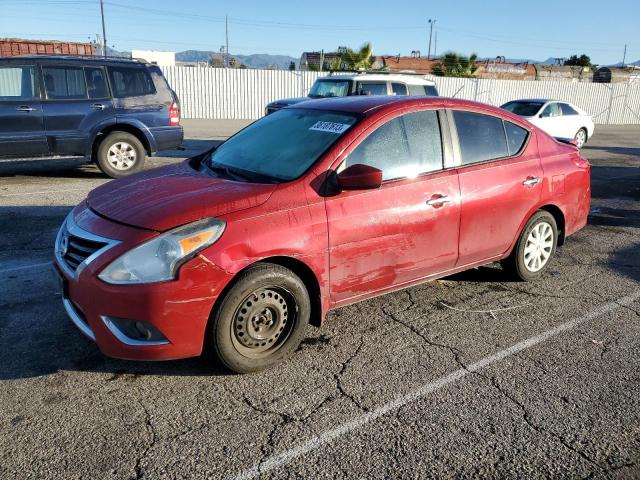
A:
24, 108
531, 181
438, 201
98, 106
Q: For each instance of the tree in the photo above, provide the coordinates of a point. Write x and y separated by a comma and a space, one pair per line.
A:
292, 66
349, 59
453, 65
581, 61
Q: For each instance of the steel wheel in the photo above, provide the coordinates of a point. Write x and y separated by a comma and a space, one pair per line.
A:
121, 155
581, 138
538, 247
263, 322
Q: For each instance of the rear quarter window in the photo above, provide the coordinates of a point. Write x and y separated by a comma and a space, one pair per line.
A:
516, 137
130, 82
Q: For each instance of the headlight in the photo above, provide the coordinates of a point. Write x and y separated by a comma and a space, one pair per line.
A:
159, 259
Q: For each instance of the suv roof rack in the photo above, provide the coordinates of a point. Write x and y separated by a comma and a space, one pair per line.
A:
375, 72
80, 57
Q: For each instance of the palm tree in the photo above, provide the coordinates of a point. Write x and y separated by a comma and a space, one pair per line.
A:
349, 59
453, 65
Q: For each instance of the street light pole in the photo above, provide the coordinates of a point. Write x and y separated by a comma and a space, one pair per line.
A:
431, 24
104, 34
226, 34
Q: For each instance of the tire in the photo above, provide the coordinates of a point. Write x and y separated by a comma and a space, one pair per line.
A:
261, 319
522, 263
581, 137
120, 154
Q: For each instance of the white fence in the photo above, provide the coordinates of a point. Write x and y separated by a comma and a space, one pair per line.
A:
221, 93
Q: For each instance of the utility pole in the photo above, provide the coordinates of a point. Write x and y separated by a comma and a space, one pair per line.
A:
226, 34
435, 45
431, 24
624, 55
104, 34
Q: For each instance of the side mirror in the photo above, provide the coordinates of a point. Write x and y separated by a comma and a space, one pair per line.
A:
360, 177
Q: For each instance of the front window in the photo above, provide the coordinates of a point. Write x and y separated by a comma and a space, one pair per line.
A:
329, 88
279, 147
524, 109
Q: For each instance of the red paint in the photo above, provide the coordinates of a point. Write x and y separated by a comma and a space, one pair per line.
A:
357, 243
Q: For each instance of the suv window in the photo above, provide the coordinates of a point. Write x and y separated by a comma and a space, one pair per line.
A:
516, 136
481, 137
18, 83
399, 88
96, 82
130, 82
371, 88
405, 146
567, 109
64, 83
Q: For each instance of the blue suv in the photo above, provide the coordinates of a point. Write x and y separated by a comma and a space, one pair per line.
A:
109, 111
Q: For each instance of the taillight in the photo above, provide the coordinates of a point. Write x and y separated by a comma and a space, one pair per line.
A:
581, 162
174, 114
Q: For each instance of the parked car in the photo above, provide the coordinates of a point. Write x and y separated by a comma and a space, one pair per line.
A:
558, 119
109, 111
319, 205
362, 84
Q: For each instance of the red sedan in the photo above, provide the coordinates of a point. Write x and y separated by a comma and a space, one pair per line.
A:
316, 206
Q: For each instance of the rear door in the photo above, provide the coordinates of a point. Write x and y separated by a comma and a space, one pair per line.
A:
73, 106
500, 183
407, 228
551, 120
21, 122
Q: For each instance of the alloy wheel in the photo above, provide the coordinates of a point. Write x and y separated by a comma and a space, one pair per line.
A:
121, 156
538, 247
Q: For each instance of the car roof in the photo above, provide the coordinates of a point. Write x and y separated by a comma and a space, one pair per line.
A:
382, 77
369, 104
537, 100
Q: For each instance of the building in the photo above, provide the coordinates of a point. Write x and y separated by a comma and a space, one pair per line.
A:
630, 74
18, 46
162, 59
318, 60
500, 69
563, 73
399, 64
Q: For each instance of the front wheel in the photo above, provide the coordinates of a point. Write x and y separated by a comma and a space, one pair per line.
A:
535, 248
581, 137
261, 319
120, 154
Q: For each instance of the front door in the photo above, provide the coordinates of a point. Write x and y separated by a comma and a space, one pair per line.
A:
21, 122
407, 228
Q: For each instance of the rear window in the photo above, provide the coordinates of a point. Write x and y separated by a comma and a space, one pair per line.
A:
18, 83
64, 83
481, 137
524, 109
130, 82
567, 109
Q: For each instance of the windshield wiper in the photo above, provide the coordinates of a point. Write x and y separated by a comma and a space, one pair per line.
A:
229, 172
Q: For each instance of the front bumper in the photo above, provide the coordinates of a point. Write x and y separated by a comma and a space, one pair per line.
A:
179, 309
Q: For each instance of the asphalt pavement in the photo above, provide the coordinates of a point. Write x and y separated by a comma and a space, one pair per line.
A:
470, 376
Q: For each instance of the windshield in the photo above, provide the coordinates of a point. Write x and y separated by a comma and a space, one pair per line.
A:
279, 147
524, 109
329, 88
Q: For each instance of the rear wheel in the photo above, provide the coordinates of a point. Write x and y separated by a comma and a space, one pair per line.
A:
261, 319
120, 154
581, 137
535, 248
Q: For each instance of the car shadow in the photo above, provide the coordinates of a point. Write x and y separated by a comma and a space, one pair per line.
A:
615, 150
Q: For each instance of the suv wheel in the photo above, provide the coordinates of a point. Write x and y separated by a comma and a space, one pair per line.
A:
120, 154
261, 319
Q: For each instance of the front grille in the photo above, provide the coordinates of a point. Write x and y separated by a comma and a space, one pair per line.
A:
79, 249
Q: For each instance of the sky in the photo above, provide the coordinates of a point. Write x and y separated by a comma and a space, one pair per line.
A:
516, 29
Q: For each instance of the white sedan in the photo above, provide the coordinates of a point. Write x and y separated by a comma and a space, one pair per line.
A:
558, 119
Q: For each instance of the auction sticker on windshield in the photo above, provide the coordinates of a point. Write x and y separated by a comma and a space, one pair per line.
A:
331, 127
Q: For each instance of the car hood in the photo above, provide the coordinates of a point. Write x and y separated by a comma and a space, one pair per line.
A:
289, 101
167, 197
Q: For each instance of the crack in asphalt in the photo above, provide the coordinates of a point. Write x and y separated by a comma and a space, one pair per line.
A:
138, 469
285, 418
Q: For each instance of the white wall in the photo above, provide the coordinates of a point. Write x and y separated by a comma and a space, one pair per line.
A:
222, 93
